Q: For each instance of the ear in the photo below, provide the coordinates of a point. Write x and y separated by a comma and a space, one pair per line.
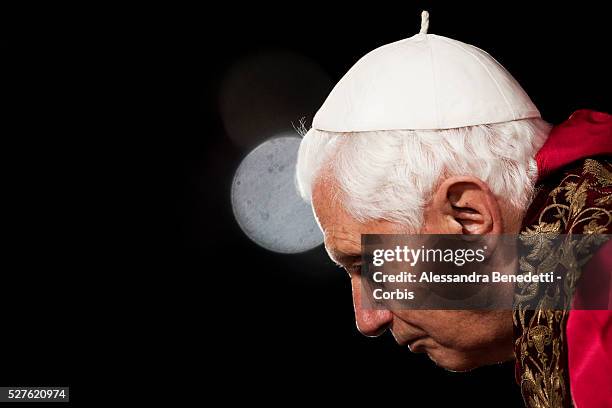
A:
464, 205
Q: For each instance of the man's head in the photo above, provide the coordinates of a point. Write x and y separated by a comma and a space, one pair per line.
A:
471, 180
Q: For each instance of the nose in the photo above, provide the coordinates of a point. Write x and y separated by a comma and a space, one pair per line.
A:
370, 322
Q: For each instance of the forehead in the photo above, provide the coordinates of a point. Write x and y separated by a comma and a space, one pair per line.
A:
327, 203
341, 230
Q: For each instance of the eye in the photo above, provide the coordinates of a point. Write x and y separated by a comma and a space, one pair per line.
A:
354, 269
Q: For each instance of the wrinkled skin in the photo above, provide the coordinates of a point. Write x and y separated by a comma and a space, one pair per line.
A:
457, 340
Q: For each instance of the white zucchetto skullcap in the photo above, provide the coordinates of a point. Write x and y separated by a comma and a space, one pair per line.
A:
423, 82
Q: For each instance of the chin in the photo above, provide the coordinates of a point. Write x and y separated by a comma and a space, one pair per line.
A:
453, 362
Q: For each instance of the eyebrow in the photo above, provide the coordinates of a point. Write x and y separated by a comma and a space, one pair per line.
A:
341, 258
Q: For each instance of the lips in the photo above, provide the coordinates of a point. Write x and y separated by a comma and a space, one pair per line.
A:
414, 343
409, 334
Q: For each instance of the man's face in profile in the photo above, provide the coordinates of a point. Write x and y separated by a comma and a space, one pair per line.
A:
457, 340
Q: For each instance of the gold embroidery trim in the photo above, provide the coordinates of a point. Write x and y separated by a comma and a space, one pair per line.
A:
541, 344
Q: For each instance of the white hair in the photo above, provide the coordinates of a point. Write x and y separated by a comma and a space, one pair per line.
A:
391, 175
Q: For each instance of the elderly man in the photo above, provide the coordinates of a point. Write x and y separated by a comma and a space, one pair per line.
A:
429, 135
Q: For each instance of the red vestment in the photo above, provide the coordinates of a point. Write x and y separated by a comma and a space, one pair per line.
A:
574, 172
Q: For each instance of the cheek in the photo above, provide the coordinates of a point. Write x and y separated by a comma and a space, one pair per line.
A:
469, 330
463, 340
453, 329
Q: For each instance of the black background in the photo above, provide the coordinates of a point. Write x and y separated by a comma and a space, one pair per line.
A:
121, 193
